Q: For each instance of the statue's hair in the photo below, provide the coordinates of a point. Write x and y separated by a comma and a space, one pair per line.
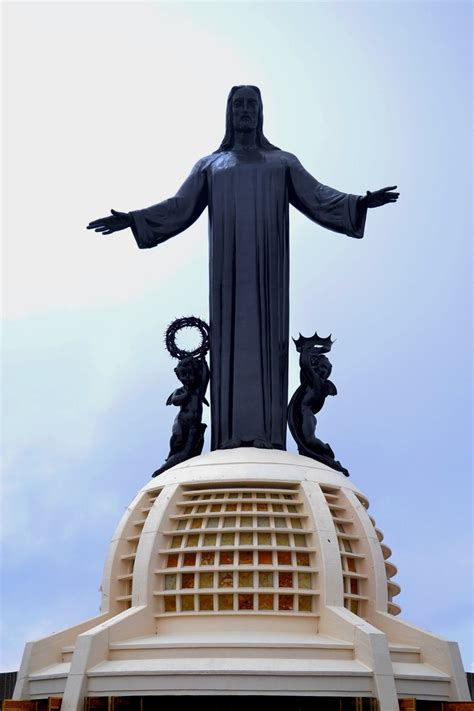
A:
229, 138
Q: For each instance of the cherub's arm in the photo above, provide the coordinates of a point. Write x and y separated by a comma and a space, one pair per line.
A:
178, 397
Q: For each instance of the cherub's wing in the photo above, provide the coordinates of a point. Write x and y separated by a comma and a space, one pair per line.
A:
170, 399
332, 390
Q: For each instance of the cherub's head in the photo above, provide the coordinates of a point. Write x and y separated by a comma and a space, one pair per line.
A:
321, 365
187, 371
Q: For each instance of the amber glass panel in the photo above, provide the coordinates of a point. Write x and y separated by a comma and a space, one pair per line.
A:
226, 602
207, 558
201, 509
284, 558
226, 558
265, 580
305, 603
245, 557
227, 539
197, 523
229, 522
226, 580
188, 509
206, 602
246, 579
187, 580
170, 603
277, 508
212, 522
285, 580
291, 508
176, 542
206, 580
354, 606
194, 498
285, 602
192, 541
296, 523
304, 580
170, 582
189, 559
246, 507
216, 507
302, 558
172, 561
246, 602
351, 565
246, 538
282, 539
264, 539
187, 603
182, 524
354, 586
300, 540
280, 522
210, 539
231, 507
265, 602
287, 496
246, 496
265, 557
246, 521
262, 507
206, 497
263, 521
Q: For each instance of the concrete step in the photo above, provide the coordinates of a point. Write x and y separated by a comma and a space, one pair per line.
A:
405, 653
421, 681
281, 646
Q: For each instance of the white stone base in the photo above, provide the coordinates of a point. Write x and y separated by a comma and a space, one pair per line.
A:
246, 572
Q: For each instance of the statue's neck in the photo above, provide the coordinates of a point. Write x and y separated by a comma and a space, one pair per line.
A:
245, 140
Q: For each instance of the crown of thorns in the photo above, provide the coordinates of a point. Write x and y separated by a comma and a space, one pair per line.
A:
187, 322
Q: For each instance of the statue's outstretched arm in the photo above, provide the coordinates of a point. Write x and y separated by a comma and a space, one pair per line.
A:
330, 208
158, 223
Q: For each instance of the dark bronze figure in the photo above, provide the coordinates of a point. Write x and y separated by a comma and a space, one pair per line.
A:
310, 397
248, 185
187, 437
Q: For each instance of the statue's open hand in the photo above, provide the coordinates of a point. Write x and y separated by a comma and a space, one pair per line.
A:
107, 225
381, 197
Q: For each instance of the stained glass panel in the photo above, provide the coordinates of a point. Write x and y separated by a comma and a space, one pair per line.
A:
285, 602
170, 603
226, 580
206, 602
246, 579
207, 558
246, 602
226, 602
170, 582
265, 602
187, 603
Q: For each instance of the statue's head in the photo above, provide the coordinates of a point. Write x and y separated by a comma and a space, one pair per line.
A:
187, 371
244, 113
322, 366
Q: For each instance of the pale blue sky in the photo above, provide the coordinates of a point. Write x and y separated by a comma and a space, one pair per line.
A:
109, 105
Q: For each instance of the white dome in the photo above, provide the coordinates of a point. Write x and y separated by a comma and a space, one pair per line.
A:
246, 571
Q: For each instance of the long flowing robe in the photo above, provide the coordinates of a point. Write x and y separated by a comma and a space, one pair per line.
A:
248, 196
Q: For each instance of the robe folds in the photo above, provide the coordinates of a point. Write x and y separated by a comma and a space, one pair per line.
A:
248, 195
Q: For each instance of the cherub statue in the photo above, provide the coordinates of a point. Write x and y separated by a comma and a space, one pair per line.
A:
187, 437
310, 397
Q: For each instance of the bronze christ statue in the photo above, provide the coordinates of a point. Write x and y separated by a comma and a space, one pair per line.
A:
247, 184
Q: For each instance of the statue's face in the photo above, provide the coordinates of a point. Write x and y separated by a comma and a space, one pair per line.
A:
186, 374
245, 110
